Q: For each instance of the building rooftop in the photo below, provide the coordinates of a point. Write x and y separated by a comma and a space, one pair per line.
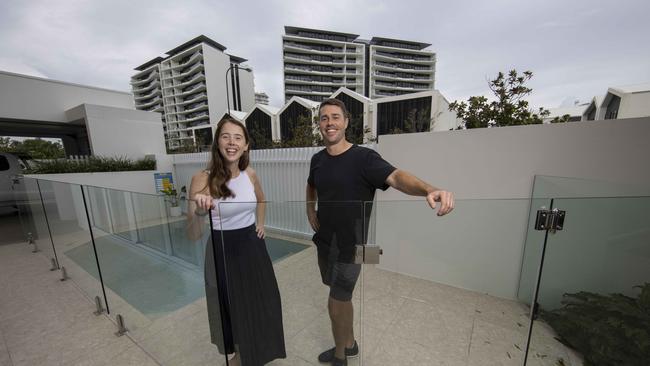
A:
195, 41
267, 108
295, 30
381, 40
633, 88
236, 59
149, 63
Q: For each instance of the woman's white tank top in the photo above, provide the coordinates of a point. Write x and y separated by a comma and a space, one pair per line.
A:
236, 212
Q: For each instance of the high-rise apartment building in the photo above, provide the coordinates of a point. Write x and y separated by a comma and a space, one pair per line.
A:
318, 62
192, 87
262, 98
399, 67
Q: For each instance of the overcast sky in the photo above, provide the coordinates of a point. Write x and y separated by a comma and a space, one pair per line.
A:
576, 49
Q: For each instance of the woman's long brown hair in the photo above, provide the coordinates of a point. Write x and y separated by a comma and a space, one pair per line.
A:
219, 174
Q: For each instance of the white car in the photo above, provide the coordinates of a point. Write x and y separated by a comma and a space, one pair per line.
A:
10, 166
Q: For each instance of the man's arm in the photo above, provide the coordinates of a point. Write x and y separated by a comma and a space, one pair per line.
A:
412, 185
311, 197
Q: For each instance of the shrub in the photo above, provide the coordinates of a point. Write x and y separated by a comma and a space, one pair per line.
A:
91, 164
609, 330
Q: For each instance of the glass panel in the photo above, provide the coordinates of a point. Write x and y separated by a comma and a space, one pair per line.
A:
445, 290
150, 218
589, 294
32, 216
160, 295
23, 196
558, 187
98, 207
66, 214
278, 303
122, 214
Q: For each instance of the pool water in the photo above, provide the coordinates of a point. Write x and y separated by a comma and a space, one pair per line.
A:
153, 283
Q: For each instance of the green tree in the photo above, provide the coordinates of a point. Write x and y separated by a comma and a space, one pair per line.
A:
36, 148
305, 134
5, 144
509, 109
417, 120
260, 141
564, 118
187, 146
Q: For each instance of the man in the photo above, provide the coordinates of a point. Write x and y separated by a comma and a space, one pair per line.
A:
342, 177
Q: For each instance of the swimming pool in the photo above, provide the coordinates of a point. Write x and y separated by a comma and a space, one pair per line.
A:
150, 281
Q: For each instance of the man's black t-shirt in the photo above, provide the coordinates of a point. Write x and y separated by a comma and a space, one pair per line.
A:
345, 183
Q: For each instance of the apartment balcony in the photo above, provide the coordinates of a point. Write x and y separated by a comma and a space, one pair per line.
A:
181, 73
145, 88
379, 55
152, 94
391, 86
175, 64
188, 91
379, 75
193, 109
181, 83
148, 103
415, 69
310, 71
309, 81
382, 93
141, 81
157, 108
307, 91
303, 48
190, 99
310, 61
194, 116
191, 69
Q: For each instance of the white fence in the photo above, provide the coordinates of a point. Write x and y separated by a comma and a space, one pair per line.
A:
283, 174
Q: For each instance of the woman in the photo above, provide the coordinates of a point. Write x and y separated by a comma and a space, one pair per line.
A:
244, 307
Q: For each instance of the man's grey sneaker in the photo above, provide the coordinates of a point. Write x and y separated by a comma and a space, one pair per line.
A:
328, 355
339, 362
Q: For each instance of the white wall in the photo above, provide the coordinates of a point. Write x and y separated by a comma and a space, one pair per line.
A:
124, 132
247, 90
634, 105
31, 98
443, 119
484, 252
216, 64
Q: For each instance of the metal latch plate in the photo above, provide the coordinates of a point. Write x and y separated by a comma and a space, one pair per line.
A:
367, 254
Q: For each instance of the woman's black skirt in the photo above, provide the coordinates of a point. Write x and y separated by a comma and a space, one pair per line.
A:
244, 308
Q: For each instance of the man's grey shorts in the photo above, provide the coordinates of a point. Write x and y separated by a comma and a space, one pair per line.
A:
340, 277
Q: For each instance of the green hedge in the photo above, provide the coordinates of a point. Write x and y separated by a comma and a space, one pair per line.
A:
91, 165
608, 330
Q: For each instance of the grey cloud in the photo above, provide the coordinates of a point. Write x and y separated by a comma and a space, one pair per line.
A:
576, 48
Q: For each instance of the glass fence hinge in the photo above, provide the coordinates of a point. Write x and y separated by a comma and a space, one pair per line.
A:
550, 219
368, 254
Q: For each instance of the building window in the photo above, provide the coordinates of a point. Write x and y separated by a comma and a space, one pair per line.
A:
259, 130
354, 132
404, 116
290, 118
203, 138
612, 107
592, 113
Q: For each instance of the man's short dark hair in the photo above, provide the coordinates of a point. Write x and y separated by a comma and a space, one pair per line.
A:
335, 102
